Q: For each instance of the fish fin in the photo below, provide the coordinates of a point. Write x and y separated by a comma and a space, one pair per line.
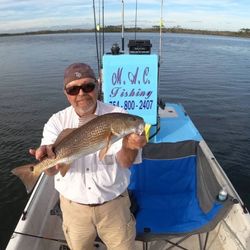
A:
62, 135
113, 132
102, 153
105, 149
64, 169
27, 175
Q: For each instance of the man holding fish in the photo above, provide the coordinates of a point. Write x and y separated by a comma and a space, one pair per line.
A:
89, 147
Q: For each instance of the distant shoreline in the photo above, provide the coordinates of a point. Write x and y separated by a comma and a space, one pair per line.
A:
245, 33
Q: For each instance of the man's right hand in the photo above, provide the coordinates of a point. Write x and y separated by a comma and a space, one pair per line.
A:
42, 152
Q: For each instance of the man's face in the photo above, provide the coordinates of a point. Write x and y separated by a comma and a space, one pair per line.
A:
84, 101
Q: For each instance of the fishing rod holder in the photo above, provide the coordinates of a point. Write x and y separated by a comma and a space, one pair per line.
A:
139, 47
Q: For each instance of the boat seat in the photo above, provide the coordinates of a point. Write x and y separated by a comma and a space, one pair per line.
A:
175, 193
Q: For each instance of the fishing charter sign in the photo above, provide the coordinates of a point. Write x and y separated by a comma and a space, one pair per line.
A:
130, 82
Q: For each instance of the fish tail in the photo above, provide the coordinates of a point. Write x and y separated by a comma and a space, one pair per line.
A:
27, 175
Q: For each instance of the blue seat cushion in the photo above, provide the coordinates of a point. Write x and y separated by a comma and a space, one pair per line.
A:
166, 196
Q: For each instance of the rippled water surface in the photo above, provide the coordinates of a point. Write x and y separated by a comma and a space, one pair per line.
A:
209, 75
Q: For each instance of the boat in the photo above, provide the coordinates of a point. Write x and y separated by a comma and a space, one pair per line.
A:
181, 197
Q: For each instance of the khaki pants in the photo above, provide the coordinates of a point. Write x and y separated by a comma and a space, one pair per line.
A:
112, 221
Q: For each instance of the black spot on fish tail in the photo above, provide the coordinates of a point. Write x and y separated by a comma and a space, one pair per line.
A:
27, 175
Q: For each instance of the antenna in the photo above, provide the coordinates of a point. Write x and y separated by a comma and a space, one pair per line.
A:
135, 18
99, 33
122, 25
103, 49
161, 24
96, 39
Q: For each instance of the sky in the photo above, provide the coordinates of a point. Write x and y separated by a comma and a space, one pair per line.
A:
33, 15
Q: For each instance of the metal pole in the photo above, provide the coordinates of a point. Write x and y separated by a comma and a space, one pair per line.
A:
103, 49
96, 39
135, 18
122, 25
161, 23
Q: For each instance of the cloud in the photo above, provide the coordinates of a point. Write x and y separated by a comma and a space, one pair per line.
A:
39, 14
27, 14
213, 14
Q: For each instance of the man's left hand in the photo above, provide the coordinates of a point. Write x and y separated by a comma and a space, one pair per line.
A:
134, 141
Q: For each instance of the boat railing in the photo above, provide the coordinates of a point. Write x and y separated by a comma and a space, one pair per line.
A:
224, 180
31, 199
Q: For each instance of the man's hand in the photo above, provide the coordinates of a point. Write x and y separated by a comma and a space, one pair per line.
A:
130, 146
134, 141
42, 152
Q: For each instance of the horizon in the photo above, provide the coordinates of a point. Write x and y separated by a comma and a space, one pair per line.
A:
18, 16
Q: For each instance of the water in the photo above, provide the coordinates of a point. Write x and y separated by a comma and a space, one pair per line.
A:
209, 75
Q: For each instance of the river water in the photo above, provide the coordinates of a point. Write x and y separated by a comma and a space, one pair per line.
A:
209, 75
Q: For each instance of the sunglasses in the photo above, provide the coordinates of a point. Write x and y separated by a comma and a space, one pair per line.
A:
86, 88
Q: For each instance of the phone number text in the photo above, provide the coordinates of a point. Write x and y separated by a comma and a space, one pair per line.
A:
131, 105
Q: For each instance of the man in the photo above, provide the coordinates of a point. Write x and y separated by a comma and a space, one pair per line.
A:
93, 194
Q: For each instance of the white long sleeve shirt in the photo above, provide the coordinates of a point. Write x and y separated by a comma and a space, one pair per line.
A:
89, 180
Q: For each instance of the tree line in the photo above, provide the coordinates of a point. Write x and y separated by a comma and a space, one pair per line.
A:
244, 32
